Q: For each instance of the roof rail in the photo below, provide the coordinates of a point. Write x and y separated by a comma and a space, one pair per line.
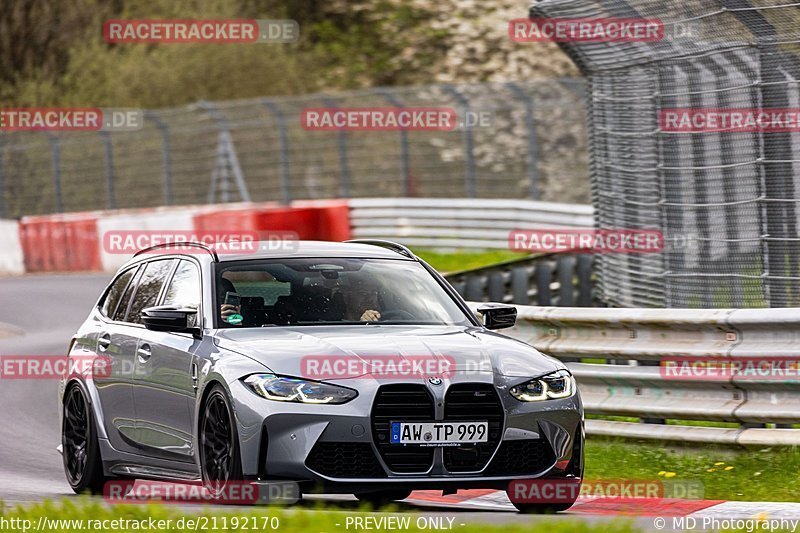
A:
390, 245
186, 243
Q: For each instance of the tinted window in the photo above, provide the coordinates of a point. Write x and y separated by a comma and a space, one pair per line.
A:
115, 292
184, 289
334, 291
119, 314
149, 287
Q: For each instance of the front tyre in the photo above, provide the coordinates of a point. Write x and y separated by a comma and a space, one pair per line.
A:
541, 508
220, 462
83, 465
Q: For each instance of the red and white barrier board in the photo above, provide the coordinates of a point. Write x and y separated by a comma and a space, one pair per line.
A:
76, 242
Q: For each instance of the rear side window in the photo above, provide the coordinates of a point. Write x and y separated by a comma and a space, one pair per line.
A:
184, 289
115, 293
149, 288
122, 307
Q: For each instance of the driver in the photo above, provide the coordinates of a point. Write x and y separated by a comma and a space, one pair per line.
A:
362, 301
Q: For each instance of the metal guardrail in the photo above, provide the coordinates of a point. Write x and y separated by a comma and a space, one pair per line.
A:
547, 279
631, 341
457, 222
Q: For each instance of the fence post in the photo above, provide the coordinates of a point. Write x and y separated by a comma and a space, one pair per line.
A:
283, 139
55, 150
779, 276
533, 146
109, 148
406, 168
224, 150
469, 144
342, 140
167, 158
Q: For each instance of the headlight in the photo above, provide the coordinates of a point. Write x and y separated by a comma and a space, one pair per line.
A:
284, 389
559, 384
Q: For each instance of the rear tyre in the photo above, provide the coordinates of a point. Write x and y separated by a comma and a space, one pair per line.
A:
220, 462
83, 465
382, 498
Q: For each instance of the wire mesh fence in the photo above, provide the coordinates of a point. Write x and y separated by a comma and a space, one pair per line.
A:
534, 146
729, 189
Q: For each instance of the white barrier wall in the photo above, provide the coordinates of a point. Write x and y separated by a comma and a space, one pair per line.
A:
11, 258
459, 222
155, 221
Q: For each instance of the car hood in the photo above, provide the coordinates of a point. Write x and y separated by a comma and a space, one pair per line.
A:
287, 350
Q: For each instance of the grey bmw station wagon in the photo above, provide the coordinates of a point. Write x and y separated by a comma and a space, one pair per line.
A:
344, 367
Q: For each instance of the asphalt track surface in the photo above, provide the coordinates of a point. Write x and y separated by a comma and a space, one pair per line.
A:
38, 315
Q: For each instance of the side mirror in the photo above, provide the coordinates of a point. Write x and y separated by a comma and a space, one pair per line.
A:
170, 319
498, 316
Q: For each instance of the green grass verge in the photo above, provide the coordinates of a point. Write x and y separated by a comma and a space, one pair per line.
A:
465, 259
726, 473
158, 518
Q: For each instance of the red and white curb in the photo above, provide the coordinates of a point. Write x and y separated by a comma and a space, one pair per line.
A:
493, 500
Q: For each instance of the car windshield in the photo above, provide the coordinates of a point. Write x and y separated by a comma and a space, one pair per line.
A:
314, 291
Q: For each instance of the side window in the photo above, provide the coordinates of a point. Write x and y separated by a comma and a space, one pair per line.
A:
184, 289
149, 288
122, 308
114, 294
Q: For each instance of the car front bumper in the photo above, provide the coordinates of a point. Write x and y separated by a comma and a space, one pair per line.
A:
336, 448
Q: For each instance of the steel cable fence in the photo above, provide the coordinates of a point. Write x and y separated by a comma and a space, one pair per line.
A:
533, 148
731, 190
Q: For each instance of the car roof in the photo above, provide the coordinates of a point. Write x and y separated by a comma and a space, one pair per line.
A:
375, 249
298, 249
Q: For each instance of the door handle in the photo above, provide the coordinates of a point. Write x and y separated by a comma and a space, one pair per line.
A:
103, 342
144, 353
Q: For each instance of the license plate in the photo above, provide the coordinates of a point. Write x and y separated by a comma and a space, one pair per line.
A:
439, 433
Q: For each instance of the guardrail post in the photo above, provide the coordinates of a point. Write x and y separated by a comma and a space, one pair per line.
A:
520, 279
584, 270
496, 287
111, 201
533, 146
460, 288
469, 143
566, 289
167, 154
55, 150
474, 289
404, 159
283, 140
341, 136
543, 273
